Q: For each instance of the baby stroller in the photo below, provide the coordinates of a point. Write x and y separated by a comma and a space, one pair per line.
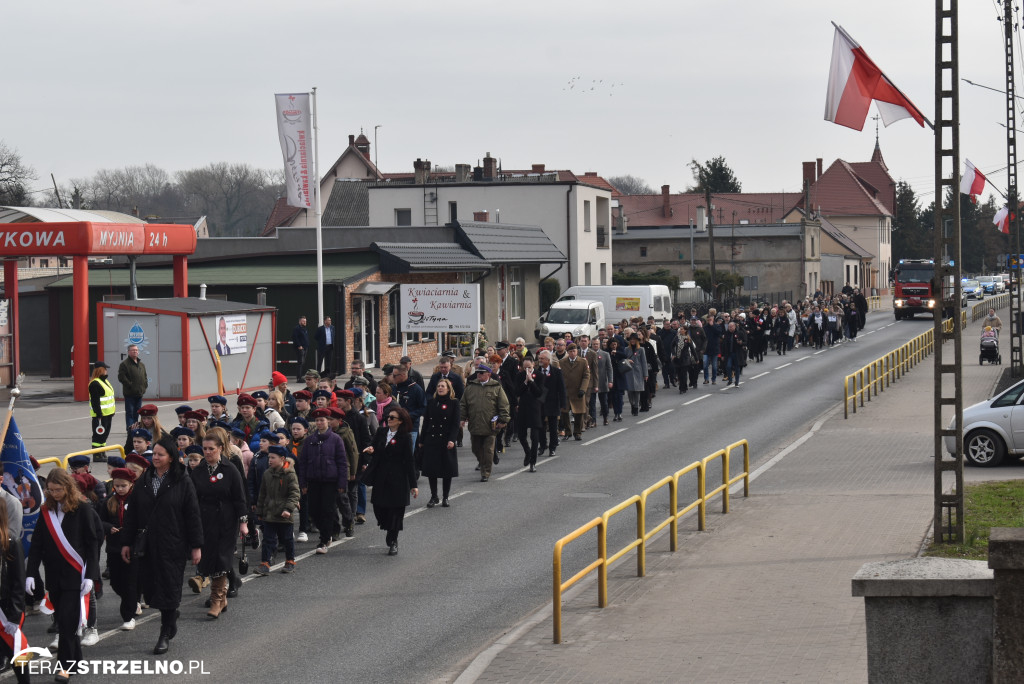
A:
989, 347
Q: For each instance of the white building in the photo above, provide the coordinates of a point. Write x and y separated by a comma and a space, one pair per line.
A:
574, 211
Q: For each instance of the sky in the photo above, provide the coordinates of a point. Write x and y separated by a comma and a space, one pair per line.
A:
639, 88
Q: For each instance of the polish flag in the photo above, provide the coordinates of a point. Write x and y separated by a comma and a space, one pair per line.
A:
972, 182
854, 81
1002, 220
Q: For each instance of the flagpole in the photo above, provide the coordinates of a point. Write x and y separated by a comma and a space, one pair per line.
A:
319, 226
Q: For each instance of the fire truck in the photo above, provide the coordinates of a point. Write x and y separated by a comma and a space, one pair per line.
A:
913, 292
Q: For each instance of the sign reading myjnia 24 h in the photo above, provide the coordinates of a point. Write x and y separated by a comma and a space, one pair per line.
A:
440, 308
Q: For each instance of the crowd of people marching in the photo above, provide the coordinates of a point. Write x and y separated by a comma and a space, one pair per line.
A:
213, 484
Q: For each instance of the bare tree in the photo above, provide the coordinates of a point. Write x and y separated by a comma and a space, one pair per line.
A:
14, 174
631, 185
236, 198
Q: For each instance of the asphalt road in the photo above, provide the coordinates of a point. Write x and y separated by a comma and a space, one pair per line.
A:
469, 573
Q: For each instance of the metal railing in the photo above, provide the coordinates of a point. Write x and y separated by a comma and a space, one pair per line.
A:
980, 310
89, 452
639, 503
874, 303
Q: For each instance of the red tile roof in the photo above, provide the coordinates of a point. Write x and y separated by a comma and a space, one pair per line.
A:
753, 207
843, 191
280, 215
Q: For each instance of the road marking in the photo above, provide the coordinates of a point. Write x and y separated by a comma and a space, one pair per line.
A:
413, 512
784, 365
802, 358
598, 439
656, 415
820, 352
890, 325
694, 401
763, 374
871, 332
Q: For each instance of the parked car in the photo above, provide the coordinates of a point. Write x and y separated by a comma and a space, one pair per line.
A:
972, 288
992, 429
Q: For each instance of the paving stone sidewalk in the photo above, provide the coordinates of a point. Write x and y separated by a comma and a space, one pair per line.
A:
764, 594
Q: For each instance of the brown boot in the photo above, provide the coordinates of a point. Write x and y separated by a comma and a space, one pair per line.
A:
218, 596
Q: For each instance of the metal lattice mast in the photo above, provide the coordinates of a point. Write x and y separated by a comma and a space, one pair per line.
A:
1016, 361
949, 508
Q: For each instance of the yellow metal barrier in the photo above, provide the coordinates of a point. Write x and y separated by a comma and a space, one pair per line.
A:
89, 452
639, 502
874, 303
51, 459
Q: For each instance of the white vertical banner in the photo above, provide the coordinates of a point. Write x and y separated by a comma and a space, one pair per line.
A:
296, 131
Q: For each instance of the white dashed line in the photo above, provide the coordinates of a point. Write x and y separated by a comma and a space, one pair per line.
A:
656, 415
802, 358
761, 375
694, 401
871, 332
820, 352
783, 366
409, 514
598, 439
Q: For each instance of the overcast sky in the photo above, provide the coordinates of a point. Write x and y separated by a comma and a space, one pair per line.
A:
180, 84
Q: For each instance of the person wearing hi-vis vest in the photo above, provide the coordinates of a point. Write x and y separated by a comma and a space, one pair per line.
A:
101, 404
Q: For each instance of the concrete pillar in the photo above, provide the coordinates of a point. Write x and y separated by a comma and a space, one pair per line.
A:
181, 276
80, 326
1006, 558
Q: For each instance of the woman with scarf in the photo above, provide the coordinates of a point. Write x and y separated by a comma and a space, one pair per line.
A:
392, 473
124, 577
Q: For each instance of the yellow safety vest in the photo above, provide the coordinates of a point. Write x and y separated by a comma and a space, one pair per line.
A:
106, 400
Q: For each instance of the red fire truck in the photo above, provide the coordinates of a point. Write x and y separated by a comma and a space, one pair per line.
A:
913, 289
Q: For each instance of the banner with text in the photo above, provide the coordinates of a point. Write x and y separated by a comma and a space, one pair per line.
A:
440, 308
293, 125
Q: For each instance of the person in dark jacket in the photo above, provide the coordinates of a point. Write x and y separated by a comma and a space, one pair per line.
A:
164, 510
323, 474
12, 594
71, 559
325, 338
124, 577
220, 490
392, 474
713, 333
734, 351
554, 401
134, 383
300, 342
617, 355
409, 396
435, 447
530, 391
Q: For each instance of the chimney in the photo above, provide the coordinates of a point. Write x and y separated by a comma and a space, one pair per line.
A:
463, 173
351, 139
819, 167
422, 169
809, 175
666, 210
538, 168
490, 167
480, 216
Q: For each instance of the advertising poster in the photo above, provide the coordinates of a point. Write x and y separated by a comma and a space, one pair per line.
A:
627, 304
231, 334
440, 308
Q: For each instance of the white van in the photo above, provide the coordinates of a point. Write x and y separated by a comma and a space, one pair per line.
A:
574, 316
626, 301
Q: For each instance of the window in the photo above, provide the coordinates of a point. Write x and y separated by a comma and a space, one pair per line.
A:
586, 273
44, 263
586, 216
847, 272
403, 217
812, 246
517, 292
604, 273
453, 212
643, 251
394, 335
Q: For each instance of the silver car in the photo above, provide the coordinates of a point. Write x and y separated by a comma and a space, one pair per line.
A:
993, 429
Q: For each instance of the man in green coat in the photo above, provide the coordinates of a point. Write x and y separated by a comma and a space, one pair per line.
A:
484, 409
134, 383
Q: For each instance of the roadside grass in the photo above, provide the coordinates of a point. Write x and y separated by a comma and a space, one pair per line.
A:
986, 505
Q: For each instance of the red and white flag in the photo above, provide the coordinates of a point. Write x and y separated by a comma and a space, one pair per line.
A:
854, 81
294, 127
1002, 220
972, 182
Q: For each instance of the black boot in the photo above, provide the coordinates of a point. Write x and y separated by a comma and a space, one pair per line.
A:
163, 643
234, 582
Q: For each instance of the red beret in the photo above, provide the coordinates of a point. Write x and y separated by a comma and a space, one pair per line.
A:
348, 394
303, 394
34, 462
148, 410
336, 413
246, 400
320, 413
122, 474
194, 415
204, 413
85, 482
137, 460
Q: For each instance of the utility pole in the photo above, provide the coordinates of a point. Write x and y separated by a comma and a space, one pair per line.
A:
711, 235
1016, 360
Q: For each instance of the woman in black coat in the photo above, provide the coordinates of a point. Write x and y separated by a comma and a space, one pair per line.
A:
224, 513
435, 446
124, 577
67, 582
163, 508
530, 391
392, 473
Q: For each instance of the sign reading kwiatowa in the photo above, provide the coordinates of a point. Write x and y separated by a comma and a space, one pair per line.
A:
440, 308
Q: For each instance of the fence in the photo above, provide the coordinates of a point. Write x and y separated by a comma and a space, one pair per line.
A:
639, 503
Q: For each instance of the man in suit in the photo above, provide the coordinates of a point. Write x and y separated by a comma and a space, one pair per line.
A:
444, 371
576, 375
300, 340
602, 377
222, 332
553, 401
591, 399
507, 373
324, 346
